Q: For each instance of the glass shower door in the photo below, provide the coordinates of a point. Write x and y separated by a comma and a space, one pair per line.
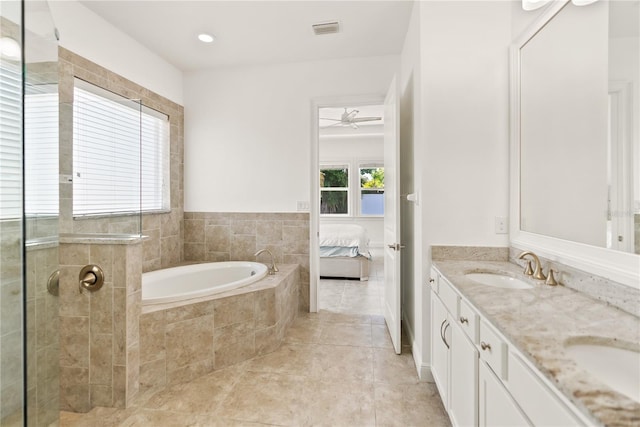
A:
29, 343
41, 214
12, 401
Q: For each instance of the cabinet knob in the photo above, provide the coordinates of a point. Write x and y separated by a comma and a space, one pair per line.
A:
464, 320
485, 346
431, 280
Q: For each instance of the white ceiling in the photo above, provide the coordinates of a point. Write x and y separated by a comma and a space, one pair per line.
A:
258, 32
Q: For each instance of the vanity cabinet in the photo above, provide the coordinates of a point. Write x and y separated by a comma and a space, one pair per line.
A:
497, 407
454, 355
483, 380
440, 348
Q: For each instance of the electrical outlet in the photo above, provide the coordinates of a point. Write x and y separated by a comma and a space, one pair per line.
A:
303, 206
501, 225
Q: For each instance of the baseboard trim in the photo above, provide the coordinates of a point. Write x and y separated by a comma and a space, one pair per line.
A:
423, 370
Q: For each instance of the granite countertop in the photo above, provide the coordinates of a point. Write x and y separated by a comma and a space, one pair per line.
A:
538, 321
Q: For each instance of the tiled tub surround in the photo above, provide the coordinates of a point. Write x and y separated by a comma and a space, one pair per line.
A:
223, 236
185, 340
99, 334
163, 247
538, 321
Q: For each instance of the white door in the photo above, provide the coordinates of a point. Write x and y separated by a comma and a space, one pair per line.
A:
392, 216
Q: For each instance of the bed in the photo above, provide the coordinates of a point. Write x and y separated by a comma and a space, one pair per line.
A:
344, 251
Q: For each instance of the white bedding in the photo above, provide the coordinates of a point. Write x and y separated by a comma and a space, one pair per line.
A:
350, 236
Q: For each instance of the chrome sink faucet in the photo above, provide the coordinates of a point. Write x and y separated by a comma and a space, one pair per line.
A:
537, 273
273, 269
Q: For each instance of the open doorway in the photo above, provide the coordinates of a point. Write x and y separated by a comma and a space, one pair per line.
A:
351, 209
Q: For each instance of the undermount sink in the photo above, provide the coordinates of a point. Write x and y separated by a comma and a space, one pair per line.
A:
498, 280
615, 364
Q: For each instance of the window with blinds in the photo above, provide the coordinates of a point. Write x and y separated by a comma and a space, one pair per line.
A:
41, 150
120, 154
10, 141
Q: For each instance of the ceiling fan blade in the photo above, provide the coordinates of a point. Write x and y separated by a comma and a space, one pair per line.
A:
333, 120
365, 119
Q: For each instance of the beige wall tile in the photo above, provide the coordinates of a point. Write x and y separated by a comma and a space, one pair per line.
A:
235, 309
190, 371
101, 395
189, 341
194, 251
233, 344
152, 336
194, 230
74, 389
265, 308
153, 374
74, 342
218, 238
101, 362
190, 311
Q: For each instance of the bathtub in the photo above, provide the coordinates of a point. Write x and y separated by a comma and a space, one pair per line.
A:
198, 280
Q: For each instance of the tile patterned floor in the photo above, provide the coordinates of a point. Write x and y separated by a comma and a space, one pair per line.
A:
337, 367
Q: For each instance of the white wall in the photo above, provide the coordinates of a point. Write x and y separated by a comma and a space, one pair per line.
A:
456, 58
353, 150
248, 129
415, 312
90, 36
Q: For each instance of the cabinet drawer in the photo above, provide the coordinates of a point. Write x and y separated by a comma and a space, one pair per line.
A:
448, 296
468, 321
493, 350
535, 398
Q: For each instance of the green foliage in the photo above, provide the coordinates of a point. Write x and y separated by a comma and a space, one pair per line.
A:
372, 178
335, 177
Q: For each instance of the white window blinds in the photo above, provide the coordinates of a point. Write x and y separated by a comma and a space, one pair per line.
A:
41, 150
120, 154
10, 141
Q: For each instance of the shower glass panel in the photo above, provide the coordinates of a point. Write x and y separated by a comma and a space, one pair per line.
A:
41, 213
12, 331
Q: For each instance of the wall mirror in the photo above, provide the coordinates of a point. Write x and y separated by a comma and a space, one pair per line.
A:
575, 106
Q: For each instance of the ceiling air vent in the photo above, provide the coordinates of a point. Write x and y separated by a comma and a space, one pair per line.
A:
326, 28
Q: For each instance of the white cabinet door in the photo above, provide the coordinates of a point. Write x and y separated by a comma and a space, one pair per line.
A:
497, 407
463, 379
440, 348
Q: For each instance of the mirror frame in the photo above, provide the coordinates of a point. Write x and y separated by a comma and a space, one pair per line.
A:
622, 267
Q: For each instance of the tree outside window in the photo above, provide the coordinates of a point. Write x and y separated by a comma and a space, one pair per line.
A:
334, 190
372, 191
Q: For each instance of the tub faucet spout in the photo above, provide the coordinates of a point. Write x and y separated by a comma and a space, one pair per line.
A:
273, 269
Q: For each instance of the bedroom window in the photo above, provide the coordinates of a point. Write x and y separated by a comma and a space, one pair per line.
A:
334, 190
120, 154
371, 190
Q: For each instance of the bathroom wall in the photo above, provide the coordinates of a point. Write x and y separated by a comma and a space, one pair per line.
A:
163, 247
248, 129
458, 66
99, 338
410, 179
90, 36
224, 236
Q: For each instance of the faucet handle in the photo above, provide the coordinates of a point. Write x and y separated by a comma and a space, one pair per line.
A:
528, 270
551, 280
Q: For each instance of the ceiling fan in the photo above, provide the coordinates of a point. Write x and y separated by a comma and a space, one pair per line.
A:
349, 118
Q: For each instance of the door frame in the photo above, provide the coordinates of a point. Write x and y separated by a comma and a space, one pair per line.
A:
314, 202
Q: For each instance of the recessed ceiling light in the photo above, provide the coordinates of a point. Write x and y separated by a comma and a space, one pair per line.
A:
206, 38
